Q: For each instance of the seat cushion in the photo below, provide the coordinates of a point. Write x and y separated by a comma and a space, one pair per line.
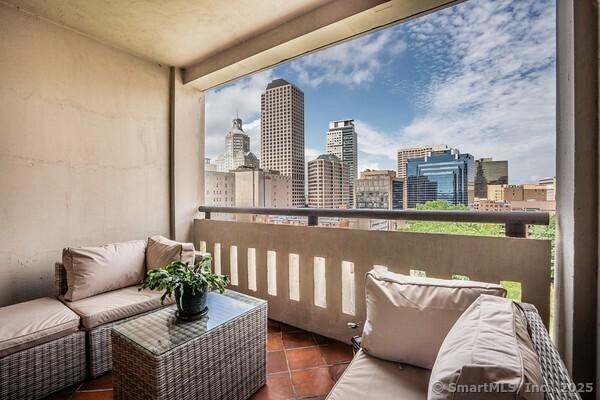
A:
372, 378
408, 317
34, 322
488, 345
162, 251
94, 270
113, 306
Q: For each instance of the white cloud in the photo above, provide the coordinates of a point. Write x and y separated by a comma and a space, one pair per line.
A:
372, 142
496, 96
364, 164
493, 92
239, 98
351, 63
310, 153
252, 129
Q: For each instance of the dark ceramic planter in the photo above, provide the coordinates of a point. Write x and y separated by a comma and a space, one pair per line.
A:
190, 306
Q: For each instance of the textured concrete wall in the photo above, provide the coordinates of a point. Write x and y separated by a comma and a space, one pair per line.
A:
83, 149
189, 157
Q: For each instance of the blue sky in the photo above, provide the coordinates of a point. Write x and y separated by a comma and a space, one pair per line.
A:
479, 76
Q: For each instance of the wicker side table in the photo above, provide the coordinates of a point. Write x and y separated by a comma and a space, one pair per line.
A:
221, 356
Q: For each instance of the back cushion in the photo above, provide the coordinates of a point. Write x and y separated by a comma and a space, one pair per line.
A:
94, 270
408, 317
488, 353
162, 251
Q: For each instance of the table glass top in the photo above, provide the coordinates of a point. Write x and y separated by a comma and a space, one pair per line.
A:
161, 331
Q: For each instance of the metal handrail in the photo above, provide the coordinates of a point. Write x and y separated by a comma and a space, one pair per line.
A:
515, 221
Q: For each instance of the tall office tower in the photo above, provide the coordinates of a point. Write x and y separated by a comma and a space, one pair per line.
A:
415, 152
379, 189
489, 172
282, 134
328, 182
441, 175
237, 150
342, 143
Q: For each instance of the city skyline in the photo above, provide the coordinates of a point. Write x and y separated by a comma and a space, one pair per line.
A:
411, 84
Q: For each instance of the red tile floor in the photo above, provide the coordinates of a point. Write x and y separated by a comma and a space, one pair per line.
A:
300, 365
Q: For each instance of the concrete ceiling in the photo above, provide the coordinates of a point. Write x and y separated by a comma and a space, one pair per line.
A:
173, 32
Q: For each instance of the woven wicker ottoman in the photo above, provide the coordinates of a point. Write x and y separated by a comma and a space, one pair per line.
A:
221, 356
41, 349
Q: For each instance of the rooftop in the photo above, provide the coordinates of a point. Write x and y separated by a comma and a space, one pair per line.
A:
277, 83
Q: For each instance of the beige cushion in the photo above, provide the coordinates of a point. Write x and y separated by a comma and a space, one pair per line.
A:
162, 251
34, 322
371, 378
93, 270
115, 305
489, 344
408, 317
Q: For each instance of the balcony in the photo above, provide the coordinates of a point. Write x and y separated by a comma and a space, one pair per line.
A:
313, 277
103, 141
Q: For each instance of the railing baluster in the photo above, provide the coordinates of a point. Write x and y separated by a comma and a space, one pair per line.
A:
233, 264
217, 258
252, 269
272, 273
348, 288
320, 299
294, 277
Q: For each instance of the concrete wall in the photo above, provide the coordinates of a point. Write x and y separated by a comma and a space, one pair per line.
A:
83, 149
576, 272
188, 156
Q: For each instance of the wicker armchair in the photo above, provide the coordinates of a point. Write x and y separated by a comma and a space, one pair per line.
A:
558, 384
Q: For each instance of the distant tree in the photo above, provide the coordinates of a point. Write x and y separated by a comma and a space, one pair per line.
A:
458, 228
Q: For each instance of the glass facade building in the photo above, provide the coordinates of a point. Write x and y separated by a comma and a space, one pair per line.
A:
441, 175
489, 172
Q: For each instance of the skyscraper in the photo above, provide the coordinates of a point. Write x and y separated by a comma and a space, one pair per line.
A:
440, 175
327, 182
415, 152
282, 134
342, 143
237, 150
489, 172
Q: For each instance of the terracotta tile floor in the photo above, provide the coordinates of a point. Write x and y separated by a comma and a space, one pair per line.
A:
300, 365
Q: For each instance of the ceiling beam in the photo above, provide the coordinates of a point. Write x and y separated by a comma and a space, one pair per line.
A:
329, 24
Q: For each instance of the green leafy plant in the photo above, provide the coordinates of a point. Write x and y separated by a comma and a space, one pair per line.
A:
198, 277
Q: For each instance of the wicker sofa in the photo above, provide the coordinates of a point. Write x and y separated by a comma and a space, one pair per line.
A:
101, 312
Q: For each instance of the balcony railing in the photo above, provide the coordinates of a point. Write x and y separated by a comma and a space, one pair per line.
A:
313, 277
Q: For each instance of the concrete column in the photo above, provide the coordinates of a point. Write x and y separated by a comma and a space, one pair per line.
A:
187, 155
577, 194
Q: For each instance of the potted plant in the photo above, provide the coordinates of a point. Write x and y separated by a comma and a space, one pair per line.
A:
189, 283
